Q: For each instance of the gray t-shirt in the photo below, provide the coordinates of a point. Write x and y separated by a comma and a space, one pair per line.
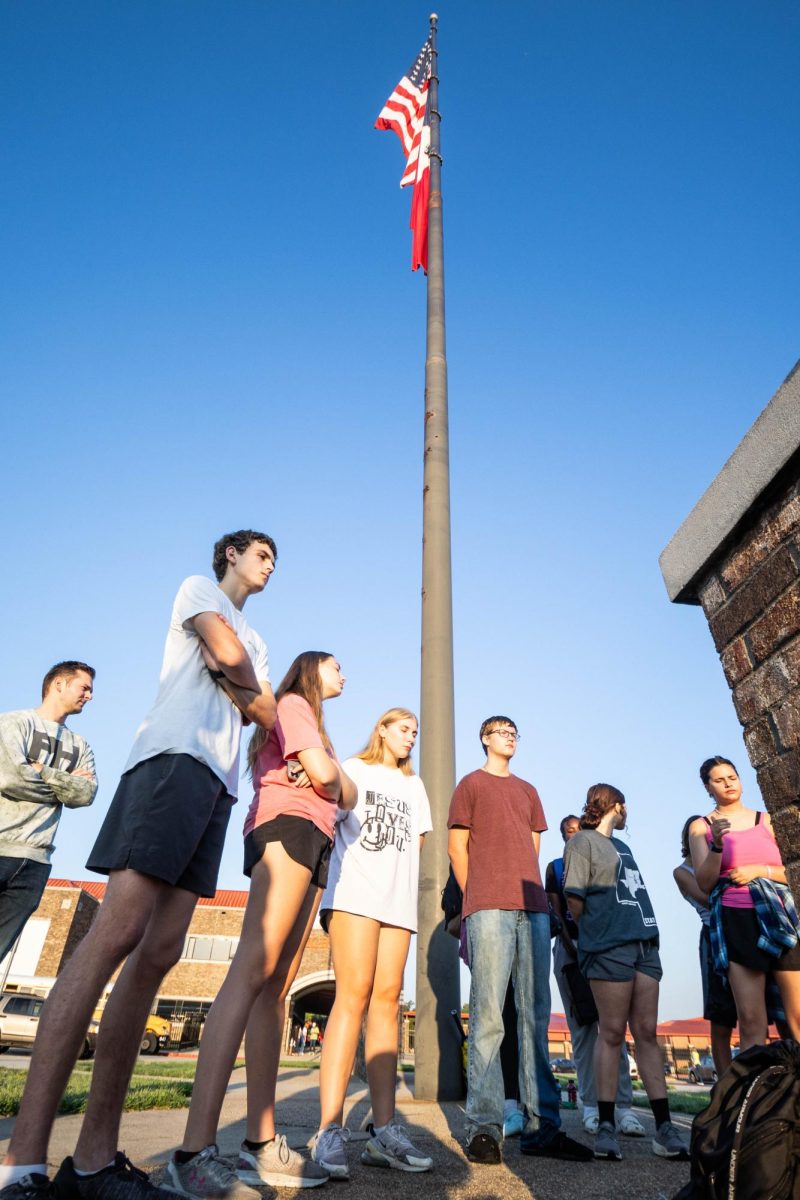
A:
602, 872
31, 801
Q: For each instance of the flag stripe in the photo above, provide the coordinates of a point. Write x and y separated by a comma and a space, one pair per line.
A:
405, 112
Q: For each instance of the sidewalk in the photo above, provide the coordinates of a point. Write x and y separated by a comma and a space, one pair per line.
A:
148, 1138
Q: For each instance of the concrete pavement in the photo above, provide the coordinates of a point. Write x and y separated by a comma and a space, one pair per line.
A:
148, 1138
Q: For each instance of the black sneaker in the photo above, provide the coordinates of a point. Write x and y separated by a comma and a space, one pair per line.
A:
559, 1146
29, 1187
484, 1149
121, 1181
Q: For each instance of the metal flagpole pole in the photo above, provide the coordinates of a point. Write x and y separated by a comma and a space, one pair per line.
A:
437, 1051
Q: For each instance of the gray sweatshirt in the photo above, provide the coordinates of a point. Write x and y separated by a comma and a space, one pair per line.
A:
30, 801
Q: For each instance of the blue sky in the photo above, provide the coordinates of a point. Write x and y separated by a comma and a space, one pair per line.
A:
208, 321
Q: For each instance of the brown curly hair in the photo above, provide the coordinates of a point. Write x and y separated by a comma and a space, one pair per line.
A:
600, 798
240, 540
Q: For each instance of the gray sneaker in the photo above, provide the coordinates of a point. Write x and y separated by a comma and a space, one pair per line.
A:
393, 1148
668, 1142
606, 1144
279, 1166
207, 1176
328, 1150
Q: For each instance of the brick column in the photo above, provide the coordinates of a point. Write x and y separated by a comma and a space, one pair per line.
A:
752, 602
738, 555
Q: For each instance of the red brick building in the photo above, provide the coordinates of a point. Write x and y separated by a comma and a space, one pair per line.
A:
68, 908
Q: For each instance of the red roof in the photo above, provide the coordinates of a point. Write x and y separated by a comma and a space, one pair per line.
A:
226, 898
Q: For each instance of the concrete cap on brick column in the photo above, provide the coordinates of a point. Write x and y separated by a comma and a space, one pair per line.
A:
762, 453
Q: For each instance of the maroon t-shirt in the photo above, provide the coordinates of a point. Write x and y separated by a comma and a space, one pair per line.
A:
500, 812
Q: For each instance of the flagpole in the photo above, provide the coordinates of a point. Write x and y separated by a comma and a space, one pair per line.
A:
437, 1050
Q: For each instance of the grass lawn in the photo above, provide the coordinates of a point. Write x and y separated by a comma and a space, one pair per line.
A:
171, 1069
679, 1102
143, 1094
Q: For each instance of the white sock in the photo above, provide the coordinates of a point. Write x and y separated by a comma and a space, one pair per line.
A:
509, 1108
83, 1174
13, 1174
378, 1129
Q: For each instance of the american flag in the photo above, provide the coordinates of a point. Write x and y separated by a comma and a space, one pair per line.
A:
406, 112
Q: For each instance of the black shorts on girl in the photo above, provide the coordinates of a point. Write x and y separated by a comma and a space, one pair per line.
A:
301, 840
719, 1005
742, 931
168, 819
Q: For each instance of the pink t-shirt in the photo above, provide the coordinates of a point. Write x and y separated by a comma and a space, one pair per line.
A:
745, 848
295, 729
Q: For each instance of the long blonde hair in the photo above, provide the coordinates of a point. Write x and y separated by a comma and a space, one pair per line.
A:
302, 679
373, 751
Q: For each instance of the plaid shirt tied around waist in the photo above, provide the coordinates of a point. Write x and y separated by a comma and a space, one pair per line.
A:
776, 914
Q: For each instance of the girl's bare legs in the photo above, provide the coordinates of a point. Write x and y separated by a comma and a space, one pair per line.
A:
265, 1026
748, 992
275, 915
613, 1002
789, 987
643, 1020
721, 1046
381, 1039
354, 948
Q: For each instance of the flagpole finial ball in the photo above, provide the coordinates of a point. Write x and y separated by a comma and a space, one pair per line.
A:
434, 17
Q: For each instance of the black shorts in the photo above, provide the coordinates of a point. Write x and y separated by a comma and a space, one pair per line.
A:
742, 931
168, 819
719, 1006
301, 840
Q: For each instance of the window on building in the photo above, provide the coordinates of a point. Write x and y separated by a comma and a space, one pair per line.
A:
209, 949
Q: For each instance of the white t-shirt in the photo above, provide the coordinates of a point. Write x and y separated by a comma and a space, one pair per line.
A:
192, 714
374, 867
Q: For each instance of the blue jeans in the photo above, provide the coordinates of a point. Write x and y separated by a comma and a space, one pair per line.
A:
21, 885
507, 945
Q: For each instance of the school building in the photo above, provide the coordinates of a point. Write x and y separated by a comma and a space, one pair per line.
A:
68, 908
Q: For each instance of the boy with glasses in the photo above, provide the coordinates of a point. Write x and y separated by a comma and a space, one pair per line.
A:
495, 824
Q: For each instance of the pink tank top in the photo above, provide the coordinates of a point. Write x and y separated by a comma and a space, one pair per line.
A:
744, 848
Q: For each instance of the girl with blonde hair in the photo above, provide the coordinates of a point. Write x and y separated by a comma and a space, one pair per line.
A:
370, 911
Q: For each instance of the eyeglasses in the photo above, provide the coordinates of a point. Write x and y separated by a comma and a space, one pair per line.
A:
509, 734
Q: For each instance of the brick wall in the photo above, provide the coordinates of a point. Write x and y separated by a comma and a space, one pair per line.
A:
70, 912
751, 599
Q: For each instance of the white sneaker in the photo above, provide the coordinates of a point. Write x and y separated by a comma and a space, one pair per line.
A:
328, 1150
591, 1119
629, 1124
277, 1165
392, 1147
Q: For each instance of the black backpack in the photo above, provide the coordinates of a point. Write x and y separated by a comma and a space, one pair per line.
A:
746, 1144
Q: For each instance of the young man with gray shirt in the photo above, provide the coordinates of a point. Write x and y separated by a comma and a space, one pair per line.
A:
44, 767
160, 844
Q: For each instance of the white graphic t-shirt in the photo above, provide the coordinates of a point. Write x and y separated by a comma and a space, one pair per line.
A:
374, 868
192, 714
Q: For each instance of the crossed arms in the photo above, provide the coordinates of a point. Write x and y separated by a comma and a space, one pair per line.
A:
222, 651
36, 783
